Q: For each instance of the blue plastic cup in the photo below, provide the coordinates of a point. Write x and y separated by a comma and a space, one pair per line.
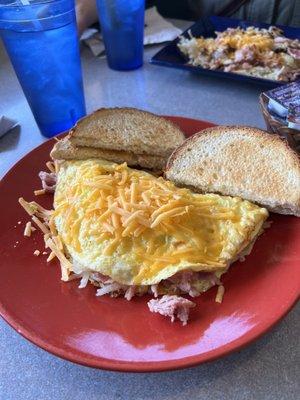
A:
122, 26
41, 40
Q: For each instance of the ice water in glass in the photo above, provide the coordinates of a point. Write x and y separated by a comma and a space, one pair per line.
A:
122, 27
43, 48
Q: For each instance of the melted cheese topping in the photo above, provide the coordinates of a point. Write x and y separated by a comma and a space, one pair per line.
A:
139, 229
237, 41
244, 38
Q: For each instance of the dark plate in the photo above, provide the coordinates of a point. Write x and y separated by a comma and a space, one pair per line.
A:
170, 56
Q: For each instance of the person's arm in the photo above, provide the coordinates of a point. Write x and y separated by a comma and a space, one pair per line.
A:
86, 14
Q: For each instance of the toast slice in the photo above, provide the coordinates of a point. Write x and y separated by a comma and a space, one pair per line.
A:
66, 150
127, 135
239, 161
127, 129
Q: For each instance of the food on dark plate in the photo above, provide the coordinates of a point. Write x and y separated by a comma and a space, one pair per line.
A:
262, 53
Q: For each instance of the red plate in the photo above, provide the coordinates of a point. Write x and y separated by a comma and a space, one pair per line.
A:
119, 335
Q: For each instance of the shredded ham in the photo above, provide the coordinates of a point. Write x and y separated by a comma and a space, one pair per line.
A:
110, 288
130, 292
294, 53
48, 181
172, 306
154, 290
246, 53
84, 280
182, 282
281, 39
101, 279
185, 281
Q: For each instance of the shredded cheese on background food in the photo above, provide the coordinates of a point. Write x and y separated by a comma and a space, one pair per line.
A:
252, 51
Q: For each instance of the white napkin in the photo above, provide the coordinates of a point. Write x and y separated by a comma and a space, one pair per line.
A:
6, 124
157, 30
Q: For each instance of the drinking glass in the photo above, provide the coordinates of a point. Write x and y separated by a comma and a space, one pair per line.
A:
40, 37
122, 27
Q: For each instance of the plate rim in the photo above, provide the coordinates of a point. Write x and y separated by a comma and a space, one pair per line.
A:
139, 366
148, 366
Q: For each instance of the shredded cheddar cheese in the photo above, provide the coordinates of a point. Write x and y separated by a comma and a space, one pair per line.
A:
104, 210
51, 166
39, 192
51, 256
28, 229
244, 38
42, 226
139, 229
129, 204
220, 294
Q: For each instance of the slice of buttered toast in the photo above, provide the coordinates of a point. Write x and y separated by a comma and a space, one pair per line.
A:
239, 161
137, 137
65, 150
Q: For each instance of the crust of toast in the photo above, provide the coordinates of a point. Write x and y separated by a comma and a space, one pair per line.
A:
65, 150
239, 161
127, 129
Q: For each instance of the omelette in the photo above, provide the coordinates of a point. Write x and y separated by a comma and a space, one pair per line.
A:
131, 233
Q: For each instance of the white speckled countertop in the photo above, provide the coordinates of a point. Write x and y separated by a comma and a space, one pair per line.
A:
267, 369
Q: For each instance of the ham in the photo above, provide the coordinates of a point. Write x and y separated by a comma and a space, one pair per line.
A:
100, 278
154, 290
294, 53
246, 53
281, 39
185, 280
48, 181
169, 305
130, 292
109, 289
173, 307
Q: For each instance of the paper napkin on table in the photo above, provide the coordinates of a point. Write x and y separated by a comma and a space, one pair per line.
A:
6, 124
157, 30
